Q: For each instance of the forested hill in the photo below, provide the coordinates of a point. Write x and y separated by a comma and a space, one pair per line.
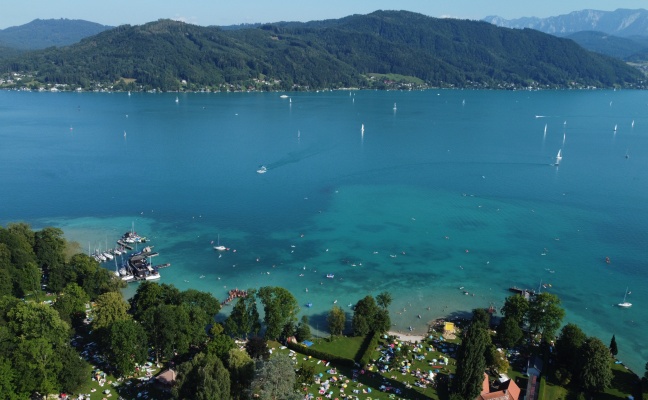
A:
42, 33
324, 54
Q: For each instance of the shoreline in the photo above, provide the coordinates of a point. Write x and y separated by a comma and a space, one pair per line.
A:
404, 337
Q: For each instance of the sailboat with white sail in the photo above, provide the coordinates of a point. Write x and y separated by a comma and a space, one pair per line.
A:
625, 303
218, 246
558, 158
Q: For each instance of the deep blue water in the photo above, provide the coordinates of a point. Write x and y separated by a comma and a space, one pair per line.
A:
452, 189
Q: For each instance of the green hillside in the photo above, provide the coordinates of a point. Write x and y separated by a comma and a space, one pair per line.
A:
324, 54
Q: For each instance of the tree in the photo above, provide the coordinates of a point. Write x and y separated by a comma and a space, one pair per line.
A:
471, 362
257, 348
168, 327
49, 246
336, 320
613, 347
125, 357
545, 314
363, 316
7, 378
148, 295
303, 329
109, 307
568, 346
244, 318
70, 304
275, 379
384, 299
220, 345
382, 321
74, 372
516, 307
509, 332
595, 371
481, 316
241, 368
203, 378
280, 307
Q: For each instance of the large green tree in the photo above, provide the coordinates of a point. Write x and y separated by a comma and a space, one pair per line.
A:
280, 308
336, 320
545, 315
125, 345
516, 307
275, 379
568, 346
471, 362
70, 304
203, 378
303, 329
241, 368
109, 307
509, 332
364, 316
595, 370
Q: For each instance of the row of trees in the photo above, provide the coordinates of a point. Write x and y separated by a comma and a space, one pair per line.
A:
579, 360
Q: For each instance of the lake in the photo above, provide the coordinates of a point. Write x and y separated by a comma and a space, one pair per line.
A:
442, 190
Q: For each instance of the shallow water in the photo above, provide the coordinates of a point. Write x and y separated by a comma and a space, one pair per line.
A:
435, 196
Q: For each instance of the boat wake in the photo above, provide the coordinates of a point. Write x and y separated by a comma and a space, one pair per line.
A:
297, 156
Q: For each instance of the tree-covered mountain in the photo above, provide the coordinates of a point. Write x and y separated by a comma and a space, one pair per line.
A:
614, 46
171, 55
43, 33
620, 22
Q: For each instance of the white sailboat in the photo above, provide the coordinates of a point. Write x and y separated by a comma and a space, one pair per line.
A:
394, 106
615, 128
558, 157
262, 170
545, 131
177, 100
362, 129
218, 246
625, 304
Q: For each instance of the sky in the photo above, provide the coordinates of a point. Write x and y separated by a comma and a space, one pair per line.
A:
231, 12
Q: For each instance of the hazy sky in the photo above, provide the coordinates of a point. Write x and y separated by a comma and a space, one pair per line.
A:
219, 12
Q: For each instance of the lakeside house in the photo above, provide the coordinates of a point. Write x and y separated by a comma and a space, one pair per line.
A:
503, 389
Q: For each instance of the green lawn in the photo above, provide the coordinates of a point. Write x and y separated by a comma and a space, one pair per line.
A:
340, 345
367, 384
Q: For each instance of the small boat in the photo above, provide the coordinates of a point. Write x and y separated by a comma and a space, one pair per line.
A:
607, 260
362, 129
558, 158
625, 304
545, 131
177, 100
309, 305
262, 170
283, 96
394, 106
330, 276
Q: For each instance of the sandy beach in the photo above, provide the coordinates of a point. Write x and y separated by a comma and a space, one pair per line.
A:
407, 337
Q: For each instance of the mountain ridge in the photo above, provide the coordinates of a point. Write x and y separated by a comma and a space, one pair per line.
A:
345, 52
620, 22
43, 33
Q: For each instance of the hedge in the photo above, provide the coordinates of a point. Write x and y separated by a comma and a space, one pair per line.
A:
300, 348
368, 346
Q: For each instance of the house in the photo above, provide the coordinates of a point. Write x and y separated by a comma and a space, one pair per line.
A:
167, 378
506, 389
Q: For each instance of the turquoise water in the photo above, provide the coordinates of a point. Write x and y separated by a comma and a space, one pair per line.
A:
452, 189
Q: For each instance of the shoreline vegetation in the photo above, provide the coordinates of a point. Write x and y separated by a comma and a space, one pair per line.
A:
70, 317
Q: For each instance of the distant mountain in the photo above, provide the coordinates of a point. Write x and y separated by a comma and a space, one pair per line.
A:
614, 46
171, 55
43, 33
621, 22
